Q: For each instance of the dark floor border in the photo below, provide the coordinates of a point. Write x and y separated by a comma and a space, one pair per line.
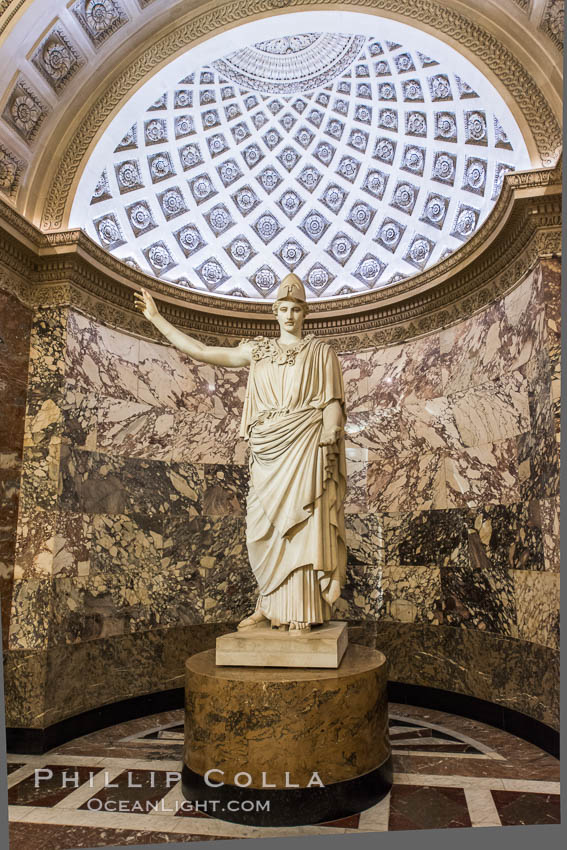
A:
39, 741
507, 719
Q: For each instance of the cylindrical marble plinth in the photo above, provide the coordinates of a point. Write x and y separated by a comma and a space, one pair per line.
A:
281, 747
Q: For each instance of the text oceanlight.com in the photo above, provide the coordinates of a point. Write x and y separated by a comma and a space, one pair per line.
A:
160, 806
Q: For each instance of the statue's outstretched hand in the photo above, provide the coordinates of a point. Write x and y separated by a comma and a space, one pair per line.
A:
331, 435
144, 302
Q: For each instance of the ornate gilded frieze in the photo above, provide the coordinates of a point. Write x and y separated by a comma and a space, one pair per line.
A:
68, 268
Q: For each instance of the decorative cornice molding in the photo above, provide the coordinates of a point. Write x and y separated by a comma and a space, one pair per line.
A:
68, 268
8, 11
470, 35
14, 220
530, 181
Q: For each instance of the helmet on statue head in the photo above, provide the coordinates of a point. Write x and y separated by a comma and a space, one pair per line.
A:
291, 289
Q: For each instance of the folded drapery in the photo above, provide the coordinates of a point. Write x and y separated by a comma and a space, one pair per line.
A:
295, 515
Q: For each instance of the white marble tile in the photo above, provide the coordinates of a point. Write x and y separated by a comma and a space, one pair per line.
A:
19, 774
97, 761
482, 809
404, 729
88, 789
535, 786
451, 781
441, 754
144, 764
376, 818
20, 813
54, 758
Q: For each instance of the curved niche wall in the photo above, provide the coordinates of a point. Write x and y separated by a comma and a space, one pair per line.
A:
129, 538
131, 550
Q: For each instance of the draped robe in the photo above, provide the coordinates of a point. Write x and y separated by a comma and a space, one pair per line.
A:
295, 530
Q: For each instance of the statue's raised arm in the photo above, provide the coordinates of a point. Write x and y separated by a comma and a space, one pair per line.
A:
217, 355
293, 419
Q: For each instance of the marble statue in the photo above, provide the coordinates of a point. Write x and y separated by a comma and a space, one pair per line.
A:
293, 419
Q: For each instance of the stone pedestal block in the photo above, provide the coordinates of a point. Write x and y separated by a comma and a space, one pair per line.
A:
280, 747
262, 646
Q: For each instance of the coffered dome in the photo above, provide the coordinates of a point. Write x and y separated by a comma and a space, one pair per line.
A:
354, 161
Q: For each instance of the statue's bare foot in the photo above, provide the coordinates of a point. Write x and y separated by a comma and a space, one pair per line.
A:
253, 620
298, 628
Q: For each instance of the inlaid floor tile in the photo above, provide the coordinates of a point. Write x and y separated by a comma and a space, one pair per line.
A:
122, 785
26, 836
426, 807
517, 808
42, 789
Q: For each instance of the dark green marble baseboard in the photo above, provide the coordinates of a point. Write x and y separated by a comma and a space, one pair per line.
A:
37, 741
46, 686
43, 688
464, 705
515, 674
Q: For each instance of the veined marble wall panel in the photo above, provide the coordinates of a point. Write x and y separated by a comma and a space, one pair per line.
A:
387, 377
25, 685
124, 445
537, 599
356, 500
550, 521
497, 341
15, 324
457, 471
552, 300
132, 524
47, 352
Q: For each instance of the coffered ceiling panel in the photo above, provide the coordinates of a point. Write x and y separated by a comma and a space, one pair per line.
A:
353, 160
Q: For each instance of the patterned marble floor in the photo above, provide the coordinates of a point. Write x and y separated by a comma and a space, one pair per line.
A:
449, 772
